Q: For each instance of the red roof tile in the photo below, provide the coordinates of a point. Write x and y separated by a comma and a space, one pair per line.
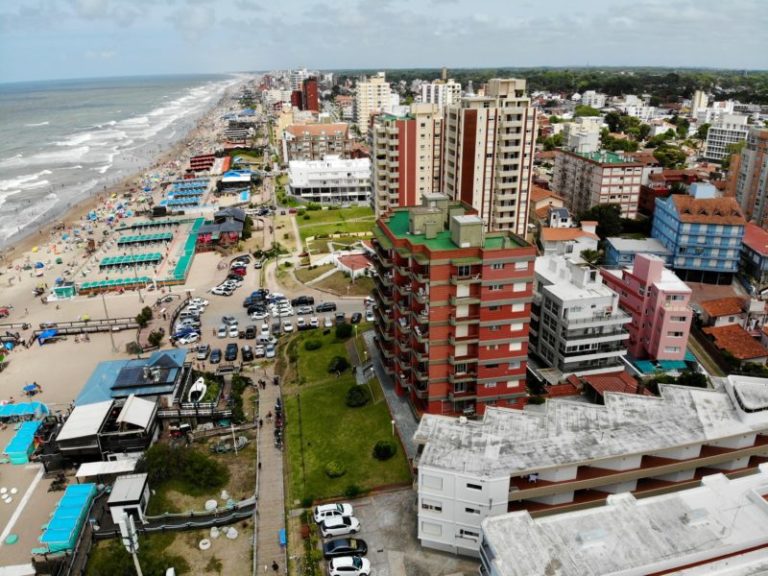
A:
538, 194
737, 341
708, 210
723, 306
756, 238
564, 234
614, 382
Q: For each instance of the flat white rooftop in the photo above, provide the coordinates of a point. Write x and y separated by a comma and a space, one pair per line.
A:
630, 537
517, 442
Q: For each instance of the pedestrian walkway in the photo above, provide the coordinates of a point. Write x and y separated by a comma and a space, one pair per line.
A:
271, 502
398, 406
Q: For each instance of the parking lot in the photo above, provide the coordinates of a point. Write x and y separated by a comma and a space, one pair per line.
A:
389, 528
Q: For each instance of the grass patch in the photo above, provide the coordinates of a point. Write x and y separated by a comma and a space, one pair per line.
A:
320, 245
322, 429
343, 286
341, 221
109, 558
313, 366
306, 275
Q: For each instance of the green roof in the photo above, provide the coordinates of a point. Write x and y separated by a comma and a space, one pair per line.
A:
605, 157
398, 224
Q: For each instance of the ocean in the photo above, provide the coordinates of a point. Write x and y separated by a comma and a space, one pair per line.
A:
61, 141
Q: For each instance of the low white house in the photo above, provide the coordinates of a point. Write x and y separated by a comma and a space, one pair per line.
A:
130, 495
331, 180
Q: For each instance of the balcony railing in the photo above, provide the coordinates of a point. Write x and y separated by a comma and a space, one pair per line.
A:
462, 377
466, 278
466, 339
615, 316
464, 300
471, 318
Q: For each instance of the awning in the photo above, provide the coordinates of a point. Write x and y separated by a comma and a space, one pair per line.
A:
85, 420
101, 468
137, 412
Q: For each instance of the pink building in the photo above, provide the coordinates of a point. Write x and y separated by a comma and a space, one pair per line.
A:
658, 301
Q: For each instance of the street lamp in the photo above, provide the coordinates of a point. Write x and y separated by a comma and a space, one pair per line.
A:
393, 427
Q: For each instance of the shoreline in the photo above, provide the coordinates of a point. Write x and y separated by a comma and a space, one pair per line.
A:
71, 215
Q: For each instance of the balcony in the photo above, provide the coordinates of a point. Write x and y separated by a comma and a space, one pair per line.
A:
402, 324
404, 345
404, 307
464, 300
614, 317
466, 339
475, 278
420, 373
462, 359
404, 289
421, 296
469, 319
462, 377
469, 394
386, 279
422, 336
421, 274
420, 355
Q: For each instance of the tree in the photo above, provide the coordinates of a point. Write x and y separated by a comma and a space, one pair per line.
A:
155, 337
642, 131
608, 217
682, 126
702, 131
730, 150
591, 256
554, 141
670, 156
583, 110
247, 228
613, 119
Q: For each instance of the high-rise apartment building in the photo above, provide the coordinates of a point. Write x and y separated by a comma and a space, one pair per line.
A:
453, 306
372, 95
658, 301
488, 153
441, 93
583, 134
700, 101
309, 97
728, 129
313, 141
602, 177
749, 181
576, 324
406, 152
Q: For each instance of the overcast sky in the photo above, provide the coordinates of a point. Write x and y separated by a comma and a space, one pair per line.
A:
44, 39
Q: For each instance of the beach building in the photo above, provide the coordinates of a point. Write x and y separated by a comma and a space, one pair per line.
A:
577, 326
591, 178
225, 230
453, 306
314, 141
332, 180
658, 302
574, 454
406, 153
720, 527
704, 236
488, 147
620, 252
129, 495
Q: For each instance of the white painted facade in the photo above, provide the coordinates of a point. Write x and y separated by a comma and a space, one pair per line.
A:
331, 180
441, 93
372, 96
728, 129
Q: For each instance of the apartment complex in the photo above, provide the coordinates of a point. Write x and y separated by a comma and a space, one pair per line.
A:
727, 130
658, 302
332, 180
314, 141
309, 96
577, 326
372, 95
574, 453
406, 152
583, 134
488, 151
751, 178
720, 527
441, 93
453, 308
602, 177
703, 234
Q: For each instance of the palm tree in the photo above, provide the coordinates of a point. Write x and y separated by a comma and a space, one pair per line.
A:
591, 257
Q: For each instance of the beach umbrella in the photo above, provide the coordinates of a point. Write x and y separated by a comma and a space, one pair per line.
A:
9, 345
39, 265
35, 249
30, 388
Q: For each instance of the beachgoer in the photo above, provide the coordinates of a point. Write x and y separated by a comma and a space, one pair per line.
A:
275, 567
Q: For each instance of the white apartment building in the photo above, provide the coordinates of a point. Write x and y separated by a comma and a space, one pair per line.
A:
406, 153
728, 129
594, 99
372, 96
583, 134
297, 77
331, 180
441, 93
602, 177
720, 527
571, 452
700, 101
577, 326
750, 179
488, 152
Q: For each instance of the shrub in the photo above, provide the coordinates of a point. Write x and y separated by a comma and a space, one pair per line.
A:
190, 466
338, 364
287, 264
306, 502
310, 345
536, 400
384, 449
155, 337
306, 217
352, 491
335, 469
343, 331
358, 396
133, 348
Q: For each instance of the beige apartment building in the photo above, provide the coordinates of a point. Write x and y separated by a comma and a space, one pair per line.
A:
372, 95
314, 141
588, 179
405, 151
488, 150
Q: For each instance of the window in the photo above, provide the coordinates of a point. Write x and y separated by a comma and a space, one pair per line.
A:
431, 528
516, 326
497, 266
468, 534
495, 287
514, 365
494, 328
432, 505
474, 486
492, 347
519, 287
489, 385
516, 346
494, 308
519, 307
463, 270
675, 334
521, 265
513, 384
679, 319
491, 365
672, 349
471, 510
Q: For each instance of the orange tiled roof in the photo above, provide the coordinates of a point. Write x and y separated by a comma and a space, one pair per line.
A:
708, 210
614, 382
299, 130
756, 238
542, 213
564, 234
737, 341
723, 306
538, 194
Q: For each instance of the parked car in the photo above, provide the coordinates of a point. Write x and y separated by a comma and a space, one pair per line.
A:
369, 315
259, 264
259, 315
301, 323
349, 566
215, 356
189, 314
247, 353
303, 300
228, 320
203, 350
269, 351
339, 526
340, 317
304, 309
327, 322
284, 313
221, 291
326, 307
259, 351
324, 511
199, 302
250, 332
233, 331
230, 354
356, 318
287, 326
314, 322
190, 338
222, 331
345, 547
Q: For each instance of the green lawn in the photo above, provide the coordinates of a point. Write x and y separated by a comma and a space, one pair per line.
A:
320, 245
306, 275
341, 221
322, 428
338, 283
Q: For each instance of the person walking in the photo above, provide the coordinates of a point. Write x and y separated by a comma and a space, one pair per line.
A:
275, 567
